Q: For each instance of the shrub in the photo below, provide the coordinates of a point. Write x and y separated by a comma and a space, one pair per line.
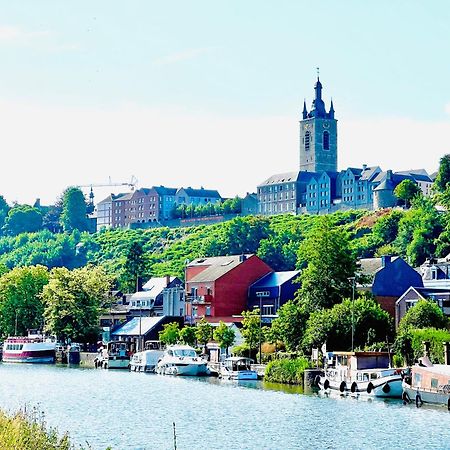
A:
289, 371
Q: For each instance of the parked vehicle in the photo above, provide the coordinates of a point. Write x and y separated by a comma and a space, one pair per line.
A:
116, 355
237, 368
361, 373
35, 348
181, 360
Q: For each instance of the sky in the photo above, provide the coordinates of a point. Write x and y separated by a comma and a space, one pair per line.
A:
209, 93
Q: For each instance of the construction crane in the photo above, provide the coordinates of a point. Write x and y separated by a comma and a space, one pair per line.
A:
132, 184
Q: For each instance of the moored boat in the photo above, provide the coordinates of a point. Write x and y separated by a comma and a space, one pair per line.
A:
34, 348
146, 360
116, 355
237, 368
181, 360
361, 373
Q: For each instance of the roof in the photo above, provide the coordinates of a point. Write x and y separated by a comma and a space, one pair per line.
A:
200, 192
162, 190
217, 266
369, 266
355, 171
370, 172
417, 174
156, 285
137, 326
142, 295
275, 279
282, 178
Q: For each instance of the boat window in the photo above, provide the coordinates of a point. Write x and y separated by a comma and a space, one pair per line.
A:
417, 379
434, 383
185, 352
373, 376
366, 377
170, 352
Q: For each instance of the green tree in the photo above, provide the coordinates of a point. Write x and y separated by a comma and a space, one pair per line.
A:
407, 190
21, 306
73, 216
74, 300
22, 219
203, 332
371, 324
224, 335
170, 333
4, 208
251, 329
289, 326
134, 267
424, 314
187, 335
329, 266
442, 181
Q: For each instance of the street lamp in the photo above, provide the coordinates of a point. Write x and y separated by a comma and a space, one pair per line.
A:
353, 280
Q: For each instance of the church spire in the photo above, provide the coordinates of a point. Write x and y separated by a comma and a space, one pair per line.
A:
305, 111
331, 113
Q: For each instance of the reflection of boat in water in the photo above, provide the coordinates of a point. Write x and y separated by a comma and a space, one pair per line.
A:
238, 368
146, 360
181, 360
34, 348
116, 355
366, 373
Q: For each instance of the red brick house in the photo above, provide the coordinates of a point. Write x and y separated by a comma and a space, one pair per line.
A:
218, 286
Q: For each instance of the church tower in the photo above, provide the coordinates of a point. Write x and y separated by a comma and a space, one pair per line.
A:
318, 136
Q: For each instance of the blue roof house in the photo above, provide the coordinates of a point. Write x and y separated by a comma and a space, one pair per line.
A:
272, 291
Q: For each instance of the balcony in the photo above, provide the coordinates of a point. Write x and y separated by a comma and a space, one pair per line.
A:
199, 299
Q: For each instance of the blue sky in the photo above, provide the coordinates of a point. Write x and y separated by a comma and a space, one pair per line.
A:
209, 93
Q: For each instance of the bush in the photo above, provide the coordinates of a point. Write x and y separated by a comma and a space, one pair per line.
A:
289, 371
424, 314
26, 430
409, 344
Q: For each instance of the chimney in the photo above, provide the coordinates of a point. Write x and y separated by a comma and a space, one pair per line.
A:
364, 167
446, 353
389, 175
242, 258
385, 260
167, 280
426, 348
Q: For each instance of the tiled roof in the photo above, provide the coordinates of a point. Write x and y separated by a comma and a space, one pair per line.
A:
162, 190
281, 178
200, 192
369, 173
217, 267
156, 285
369, 266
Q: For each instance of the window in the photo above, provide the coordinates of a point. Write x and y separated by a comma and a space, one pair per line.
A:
434, 383
326, 140
307, 140
208, 311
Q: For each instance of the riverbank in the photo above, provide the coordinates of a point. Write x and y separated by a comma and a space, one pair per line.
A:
27, 430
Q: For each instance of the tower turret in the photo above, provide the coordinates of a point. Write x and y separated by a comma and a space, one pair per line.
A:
305, 111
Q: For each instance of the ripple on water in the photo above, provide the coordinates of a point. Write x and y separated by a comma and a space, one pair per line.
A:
132, 411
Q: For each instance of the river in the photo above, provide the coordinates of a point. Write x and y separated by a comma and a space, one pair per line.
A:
135, 411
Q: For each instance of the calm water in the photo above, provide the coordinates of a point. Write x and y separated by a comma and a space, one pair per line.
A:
136, 411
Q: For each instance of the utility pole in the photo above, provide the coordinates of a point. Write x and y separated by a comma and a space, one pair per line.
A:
353, 280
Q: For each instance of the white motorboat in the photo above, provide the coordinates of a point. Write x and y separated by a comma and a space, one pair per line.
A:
237, 368
361, 373
181, 360
146, 360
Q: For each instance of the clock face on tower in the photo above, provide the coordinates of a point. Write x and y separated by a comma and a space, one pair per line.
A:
326, 125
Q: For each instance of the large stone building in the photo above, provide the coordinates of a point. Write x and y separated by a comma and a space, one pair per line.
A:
318, 187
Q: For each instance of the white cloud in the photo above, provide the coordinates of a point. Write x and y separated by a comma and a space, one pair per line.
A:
184, 55
45, 149
447, 108
10, 33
